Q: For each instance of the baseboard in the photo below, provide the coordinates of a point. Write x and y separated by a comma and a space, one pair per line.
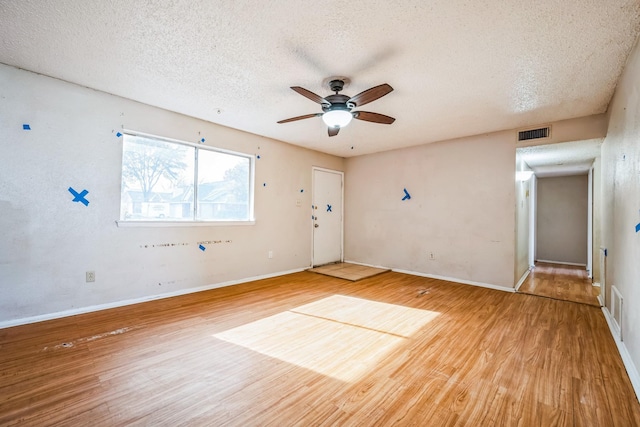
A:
367, 265
600, 300
522, 279
453, 279
632, 371
433, 276
92, 308
596, 284
546, 261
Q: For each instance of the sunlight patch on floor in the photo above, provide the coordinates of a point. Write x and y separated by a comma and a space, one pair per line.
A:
338, 336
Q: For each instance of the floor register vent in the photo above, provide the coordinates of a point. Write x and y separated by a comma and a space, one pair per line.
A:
616, 310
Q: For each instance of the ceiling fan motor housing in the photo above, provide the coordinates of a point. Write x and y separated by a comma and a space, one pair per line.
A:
338, 102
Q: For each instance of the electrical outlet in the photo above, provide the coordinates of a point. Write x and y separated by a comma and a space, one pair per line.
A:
90, 276
432, 256
298, 202
270, 254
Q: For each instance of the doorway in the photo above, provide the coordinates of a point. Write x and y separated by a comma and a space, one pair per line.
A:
563, 221
327, 228
563, 240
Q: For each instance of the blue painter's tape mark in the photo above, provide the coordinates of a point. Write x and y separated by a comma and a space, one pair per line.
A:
79, 197
202, 140
202, 248
637, 227
264, 184
118, 134
407, 196
302, 190
605, 252
26, 127
258, 156
328, 208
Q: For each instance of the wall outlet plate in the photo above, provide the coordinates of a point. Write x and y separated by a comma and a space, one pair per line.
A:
90, 276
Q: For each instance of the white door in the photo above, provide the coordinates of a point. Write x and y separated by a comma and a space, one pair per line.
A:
327, 216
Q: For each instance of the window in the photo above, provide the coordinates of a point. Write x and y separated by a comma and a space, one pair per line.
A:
165, 180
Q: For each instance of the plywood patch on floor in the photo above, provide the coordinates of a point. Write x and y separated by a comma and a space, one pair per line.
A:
347, 271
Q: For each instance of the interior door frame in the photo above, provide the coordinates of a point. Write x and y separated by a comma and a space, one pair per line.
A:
590, 223
313, 189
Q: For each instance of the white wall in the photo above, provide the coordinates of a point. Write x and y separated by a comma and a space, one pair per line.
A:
621, 201
562, 215
48, 242
462, 208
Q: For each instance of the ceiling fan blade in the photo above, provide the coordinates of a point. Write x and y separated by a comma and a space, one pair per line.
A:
306, 116
312, 96
373, 117
333, 131
371, 94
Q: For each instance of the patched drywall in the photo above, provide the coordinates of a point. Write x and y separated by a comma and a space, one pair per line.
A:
562, 213
49, 242
461, 209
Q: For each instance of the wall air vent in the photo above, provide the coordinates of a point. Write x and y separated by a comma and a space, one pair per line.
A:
525, 135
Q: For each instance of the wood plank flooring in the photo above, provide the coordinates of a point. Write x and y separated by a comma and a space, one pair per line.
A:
563, 282
311, 350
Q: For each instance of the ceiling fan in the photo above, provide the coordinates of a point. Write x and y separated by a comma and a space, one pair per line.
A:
338, 108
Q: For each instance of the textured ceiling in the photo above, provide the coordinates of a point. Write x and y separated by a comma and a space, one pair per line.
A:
459, 68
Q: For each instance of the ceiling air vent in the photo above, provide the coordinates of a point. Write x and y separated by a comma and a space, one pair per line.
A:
525, 135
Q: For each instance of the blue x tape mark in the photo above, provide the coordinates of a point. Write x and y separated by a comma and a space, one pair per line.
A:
118, 134
407, 196
202, 248
26, 127
79, 197
638, 227
328, 208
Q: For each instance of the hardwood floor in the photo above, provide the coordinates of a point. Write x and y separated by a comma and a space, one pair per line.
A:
563, 282
306, 349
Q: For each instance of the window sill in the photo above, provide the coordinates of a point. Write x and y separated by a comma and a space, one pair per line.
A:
124, 223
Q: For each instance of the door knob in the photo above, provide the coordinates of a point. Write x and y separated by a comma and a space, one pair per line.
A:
316, 225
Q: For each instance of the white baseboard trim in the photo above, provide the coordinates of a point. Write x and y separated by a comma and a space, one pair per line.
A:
453, 279
600, 300
367, 265
522, 279
92, 308
562, 262
632, 371
433, 276
596, 284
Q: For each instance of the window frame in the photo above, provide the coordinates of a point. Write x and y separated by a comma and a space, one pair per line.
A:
194, 222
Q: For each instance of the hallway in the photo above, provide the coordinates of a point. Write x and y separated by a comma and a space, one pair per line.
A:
561, 282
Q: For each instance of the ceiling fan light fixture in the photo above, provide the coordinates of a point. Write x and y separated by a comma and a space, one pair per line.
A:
337, 118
